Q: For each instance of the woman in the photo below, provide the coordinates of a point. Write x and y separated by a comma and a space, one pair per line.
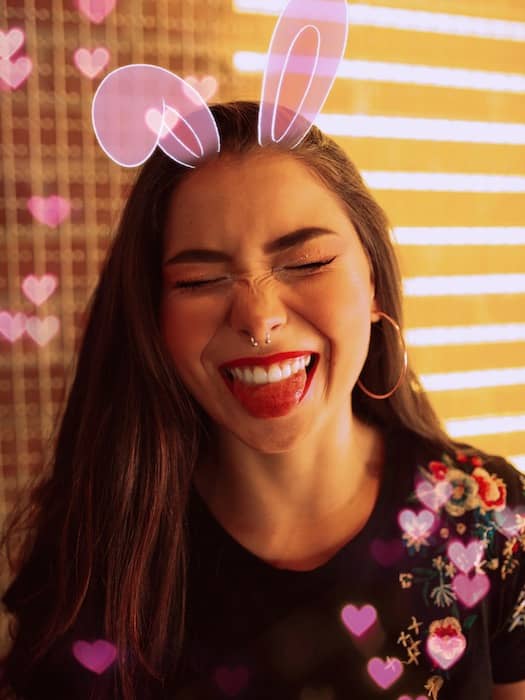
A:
209, 530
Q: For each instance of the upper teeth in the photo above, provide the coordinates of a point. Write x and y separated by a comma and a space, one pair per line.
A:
274, 373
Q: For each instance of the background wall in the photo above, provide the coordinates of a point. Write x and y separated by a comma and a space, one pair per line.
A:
428, 102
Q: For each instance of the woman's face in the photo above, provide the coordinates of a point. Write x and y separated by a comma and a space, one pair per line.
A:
237, 207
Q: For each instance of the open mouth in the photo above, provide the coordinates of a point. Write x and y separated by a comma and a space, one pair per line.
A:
229, 376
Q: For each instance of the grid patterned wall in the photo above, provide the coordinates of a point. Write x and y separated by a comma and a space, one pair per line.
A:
429, 105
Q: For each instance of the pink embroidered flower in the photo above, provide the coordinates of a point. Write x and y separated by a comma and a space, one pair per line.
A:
492, 491
439, 470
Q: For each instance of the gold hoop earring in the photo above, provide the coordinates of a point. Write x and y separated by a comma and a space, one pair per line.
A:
403, 371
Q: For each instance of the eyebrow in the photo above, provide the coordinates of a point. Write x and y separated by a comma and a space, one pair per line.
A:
282, 243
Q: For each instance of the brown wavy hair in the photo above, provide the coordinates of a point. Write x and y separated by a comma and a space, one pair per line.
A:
108, 514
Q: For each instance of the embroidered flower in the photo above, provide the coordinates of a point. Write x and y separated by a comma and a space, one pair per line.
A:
492, 490
405, 579
464, 493
438, 469
461, 528
448, 627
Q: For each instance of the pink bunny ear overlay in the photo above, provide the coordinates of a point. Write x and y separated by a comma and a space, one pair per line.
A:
124, 103
306, 49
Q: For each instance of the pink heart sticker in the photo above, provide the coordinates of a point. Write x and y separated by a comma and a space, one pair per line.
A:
417, 526
231, 681
96, 10
154, 121
358, 620
49, 210
434, 496
385, 673
15, 72
465, 558
470, 590
42, 330
12, 327
38, 290
96, 657
91, 63
511, 521
446, 651
10, 42
206, 87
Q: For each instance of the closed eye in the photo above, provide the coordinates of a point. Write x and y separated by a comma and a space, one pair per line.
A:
200, 283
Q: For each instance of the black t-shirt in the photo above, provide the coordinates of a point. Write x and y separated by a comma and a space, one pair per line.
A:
427, 601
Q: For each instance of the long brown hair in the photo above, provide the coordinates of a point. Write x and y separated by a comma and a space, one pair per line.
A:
109, 513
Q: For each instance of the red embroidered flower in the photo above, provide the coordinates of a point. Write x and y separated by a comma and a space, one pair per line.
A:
438, 469
492, 491
461, 457
476, 461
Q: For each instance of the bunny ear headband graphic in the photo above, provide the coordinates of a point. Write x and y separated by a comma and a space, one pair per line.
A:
140, 106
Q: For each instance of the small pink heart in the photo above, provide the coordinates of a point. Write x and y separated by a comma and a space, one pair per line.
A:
385, 552
38, 290
207, 87
385, 673
358, 620
434, 496
91, 63
154, 121
465, 558
15, 72
49, 210
96, 657
12, 327
470, 590
10, 42
511, 521
42, 331
96, 10
231, 681
446, 651
419, 525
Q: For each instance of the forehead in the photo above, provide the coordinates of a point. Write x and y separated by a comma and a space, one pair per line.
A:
260, 195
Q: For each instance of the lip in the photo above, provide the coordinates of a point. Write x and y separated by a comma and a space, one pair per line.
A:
265, 360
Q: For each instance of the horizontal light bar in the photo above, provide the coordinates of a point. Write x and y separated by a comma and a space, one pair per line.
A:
477, 379
442, 182
459, 235
441, 336
389, 72
485, 425
421, 129
414, 20
463, 285
518, 461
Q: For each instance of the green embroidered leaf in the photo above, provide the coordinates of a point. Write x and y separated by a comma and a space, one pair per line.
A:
471, 619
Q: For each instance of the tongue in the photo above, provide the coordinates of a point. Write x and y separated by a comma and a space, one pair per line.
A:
272, 399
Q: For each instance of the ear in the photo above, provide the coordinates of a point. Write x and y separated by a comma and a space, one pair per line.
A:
307, 45
374, 308
140, 106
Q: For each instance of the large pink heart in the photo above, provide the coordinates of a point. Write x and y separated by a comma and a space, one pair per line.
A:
10, 42
385, 673
359, 620
38, 290
49, 210
42, 330
15, 72
446, 651
91, 63
96, 657
465, 558
231, 681
96, 10
12, 326
433, 496
470, 590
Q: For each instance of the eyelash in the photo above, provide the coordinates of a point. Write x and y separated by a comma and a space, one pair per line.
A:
202, 283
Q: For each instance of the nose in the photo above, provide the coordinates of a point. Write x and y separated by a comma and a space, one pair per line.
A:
256, 311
